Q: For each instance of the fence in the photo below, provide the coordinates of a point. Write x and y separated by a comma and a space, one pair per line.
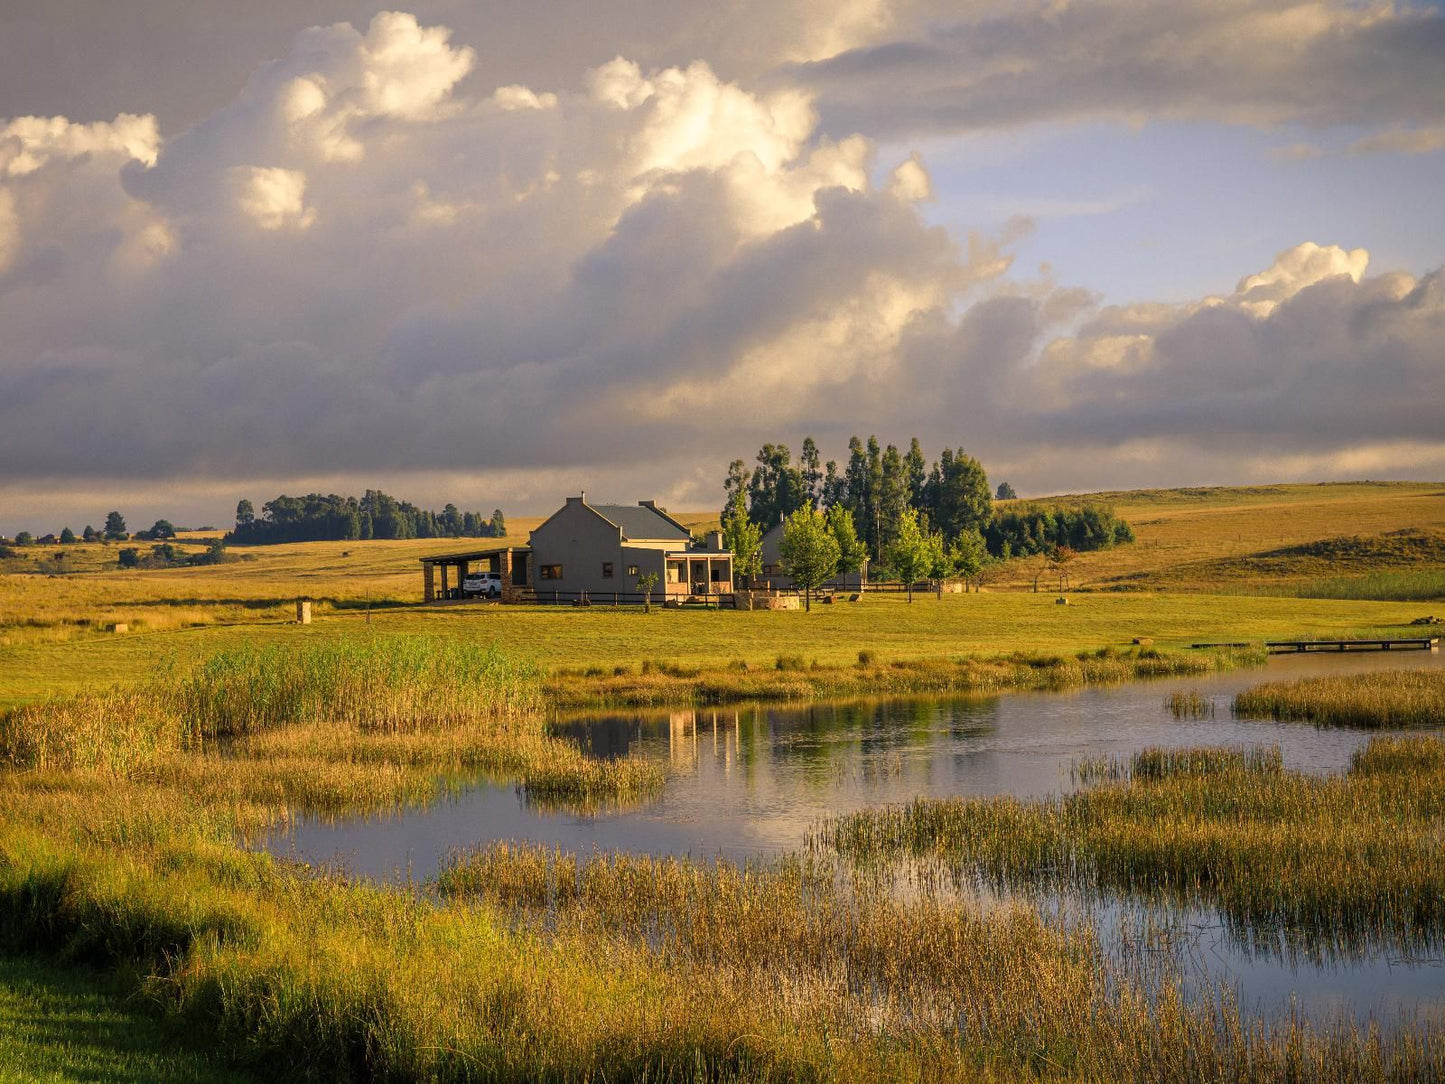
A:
629, 598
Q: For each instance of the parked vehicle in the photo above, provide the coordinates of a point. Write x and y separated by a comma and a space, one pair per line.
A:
482, 585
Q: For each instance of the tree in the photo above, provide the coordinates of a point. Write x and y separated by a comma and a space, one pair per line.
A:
24, 538
892, 494
968, 554
809, 550
735, 485
1059, 558
498, 524
775, 490
961, 497
67, 536
917, 469
811, 472
872, 525
90, 534
915, 552
1006, 492
852, 551
743, 537
128, 558
645, 584
245, 513
115, 528
162, 530
451, 520
835, 488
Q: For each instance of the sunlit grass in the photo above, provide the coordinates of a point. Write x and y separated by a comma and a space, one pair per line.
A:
1381, 699
1311, 863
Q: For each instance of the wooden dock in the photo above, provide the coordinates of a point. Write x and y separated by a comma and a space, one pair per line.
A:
1414, 643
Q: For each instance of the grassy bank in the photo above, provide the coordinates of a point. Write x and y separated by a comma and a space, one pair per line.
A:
792, 677
1293, 861
327, 726
1381, 700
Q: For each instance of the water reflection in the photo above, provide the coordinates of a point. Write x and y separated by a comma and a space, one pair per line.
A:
749, 781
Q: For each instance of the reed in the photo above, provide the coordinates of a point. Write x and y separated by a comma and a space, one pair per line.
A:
792, 677
1381, 699
1296, 863
1189, 705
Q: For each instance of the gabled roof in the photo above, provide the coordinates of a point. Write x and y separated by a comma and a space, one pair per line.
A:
641, 522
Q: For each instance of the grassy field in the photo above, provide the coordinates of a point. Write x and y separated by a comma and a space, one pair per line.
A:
62, 1024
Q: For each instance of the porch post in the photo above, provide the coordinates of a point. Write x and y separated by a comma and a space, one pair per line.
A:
428, 579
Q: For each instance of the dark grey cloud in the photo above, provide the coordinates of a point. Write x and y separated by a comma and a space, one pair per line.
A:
947, 69
358, 270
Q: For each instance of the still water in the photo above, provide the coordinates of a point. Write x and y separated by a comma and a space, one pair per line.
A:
750, 781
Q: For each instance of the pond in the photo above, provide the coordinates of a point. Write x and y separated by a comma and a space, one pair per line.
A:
749, 781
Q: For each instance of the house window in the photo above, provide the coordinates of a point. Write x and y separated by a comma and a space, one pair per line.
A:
607, 570
768, 570
717, 574
550, 572
632, 570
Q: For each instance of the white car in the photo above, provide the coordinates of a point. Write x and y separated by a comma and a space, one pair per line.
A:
482, 585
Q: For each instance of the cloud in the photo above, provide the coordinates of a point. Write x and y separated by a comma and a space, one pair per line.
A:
357, 270
948, 68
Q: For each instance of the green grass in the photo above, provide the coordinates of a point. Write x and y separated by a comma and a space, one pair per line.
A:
67, 1024
1293, 861
1420, 585
986, 625
1380, 700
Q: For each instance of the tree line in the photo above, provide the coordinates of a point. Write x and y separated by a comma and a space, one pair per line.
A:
334, 518
893, 507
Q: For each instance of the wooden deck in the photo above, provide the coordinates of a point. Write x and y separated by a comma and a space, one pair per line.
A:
1414, 643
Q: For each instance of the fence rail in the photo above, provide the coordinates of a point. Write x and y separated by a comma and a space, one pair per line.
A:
628, 598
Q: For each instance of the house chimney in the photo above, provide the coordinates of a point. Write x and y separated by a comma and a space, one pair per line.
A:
714, 540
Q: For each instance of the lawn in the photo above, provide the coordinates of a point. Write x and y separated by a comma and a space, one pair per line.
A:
69, 1024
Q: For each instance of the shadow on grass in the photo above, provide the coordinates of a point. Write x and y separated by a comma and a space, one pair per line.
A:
69, 1024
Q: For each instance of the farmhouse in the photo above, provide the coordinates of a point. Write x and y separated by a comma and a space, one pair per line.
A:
597, 551
775, 578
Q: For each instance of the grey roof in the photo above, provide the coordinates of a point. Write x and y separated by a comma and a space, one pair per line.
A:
640, 522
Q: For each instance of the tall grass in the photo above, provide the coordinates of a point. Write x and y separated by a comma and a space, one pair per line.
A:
395, 684
1380, 699
1415, 585
1294, 862
335, 727
792, 678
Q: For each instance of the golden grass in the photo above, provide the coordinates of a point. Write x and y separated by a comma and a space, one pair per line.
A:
1295, 862
1382, 700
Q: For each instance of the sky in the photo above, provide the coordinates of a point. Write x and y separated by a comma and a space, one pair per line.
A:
496, 253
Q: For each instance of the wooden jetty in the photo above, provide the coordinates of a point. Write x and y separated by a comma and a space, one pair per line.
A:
1414, 643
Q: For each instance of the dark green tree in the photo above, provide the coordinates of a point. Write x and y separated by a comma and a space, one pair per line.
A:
115, 528
128, 558
162, 530
892, 494
67, 536
917, 468
1006, 492
90, 534
811, 472
852, 553
775, 489
245, 513
498, 524
24, 538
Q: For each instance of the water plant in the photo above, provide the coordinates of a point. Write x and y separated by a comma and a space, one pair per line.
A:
1295, 862
1381, 699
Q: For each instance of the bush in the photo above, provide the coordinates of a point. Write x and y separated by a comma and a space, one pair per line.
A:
128, 558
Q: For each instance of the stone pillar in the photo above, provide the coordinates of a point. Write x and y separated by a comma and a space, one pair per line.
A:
446, 593
428, 579
303, 611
